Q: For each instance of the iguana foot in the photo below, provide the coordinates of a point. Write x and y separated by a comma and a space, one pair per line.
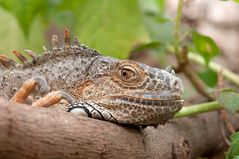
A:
28, 87
53, 98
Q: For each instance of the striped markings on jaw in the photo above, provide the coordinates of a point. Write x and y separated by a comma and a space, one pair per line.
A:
149, 102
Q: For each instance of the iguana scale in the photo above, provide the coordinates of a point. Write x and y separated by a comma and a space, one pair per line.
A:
121, 91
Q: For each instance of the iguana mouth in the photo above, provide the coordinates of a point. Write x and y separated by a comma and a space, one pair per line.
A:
158, 102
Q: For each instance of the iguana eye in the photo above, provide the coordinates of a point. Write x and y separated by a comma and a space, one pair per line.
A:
127, 73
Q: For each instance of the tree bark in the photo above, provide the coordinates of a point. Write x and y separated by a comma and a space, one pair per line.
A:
30, 132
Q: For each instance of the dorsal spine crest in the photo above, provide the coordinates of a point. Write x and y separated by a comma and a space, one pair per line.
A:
67, 49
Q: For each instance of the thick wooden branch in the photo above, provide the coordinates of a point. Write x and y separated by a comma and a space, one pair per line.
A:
30, 132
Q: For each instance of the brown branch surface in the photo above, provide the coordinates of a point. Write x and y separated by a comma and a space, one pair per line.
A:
31, 132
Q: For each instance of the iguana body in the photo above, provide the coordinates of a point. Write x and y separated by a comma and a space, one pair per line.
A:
120, 91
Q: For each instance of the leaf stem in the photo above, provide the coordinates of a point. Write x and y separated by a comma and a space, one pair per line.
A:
178, 25
179, 52
229, 75
197, 109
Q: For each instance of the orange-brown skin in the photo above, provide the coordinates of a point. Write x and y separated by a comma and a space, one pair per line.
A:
52, 98
6, 62
23, 93
20, 56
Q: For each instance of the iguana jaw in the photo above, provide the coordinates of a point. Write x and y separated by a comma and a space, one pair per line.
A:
140, 111
153, 101
142, 108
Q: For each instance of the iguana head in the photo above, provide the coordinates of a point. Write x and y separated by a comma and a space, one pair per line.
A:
132, 92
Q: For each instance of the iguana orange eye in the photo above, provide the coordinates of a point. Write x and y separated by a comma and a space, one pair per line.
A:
127, 74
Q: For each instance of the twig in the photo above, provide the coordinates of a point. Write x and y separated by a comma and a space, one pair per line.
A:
229, 75
186, 68
181, 55
196, 81
223, 114
197, 109
178, 26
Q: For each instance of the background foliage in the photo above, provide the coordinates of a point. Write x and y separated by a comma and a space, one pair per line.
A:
112, 28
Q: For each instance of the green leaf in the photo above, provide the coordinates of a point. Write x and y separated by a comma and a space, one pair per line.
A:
229, 99
159, 26
162, 32
209, 77
151, 45
13, 36
112, 27
205, 46
24, 11
233, 152
161, 4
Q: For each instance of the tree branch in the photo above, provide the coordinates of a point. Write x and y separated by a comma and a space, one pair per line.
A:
31, 132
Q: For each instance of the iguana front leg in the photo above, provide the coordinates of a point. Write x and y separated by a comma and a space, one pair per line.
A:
28, 87
53, 98
50, 99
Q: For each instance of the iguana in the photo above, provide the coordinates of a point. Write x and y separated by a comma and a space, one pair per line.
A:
120, 91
